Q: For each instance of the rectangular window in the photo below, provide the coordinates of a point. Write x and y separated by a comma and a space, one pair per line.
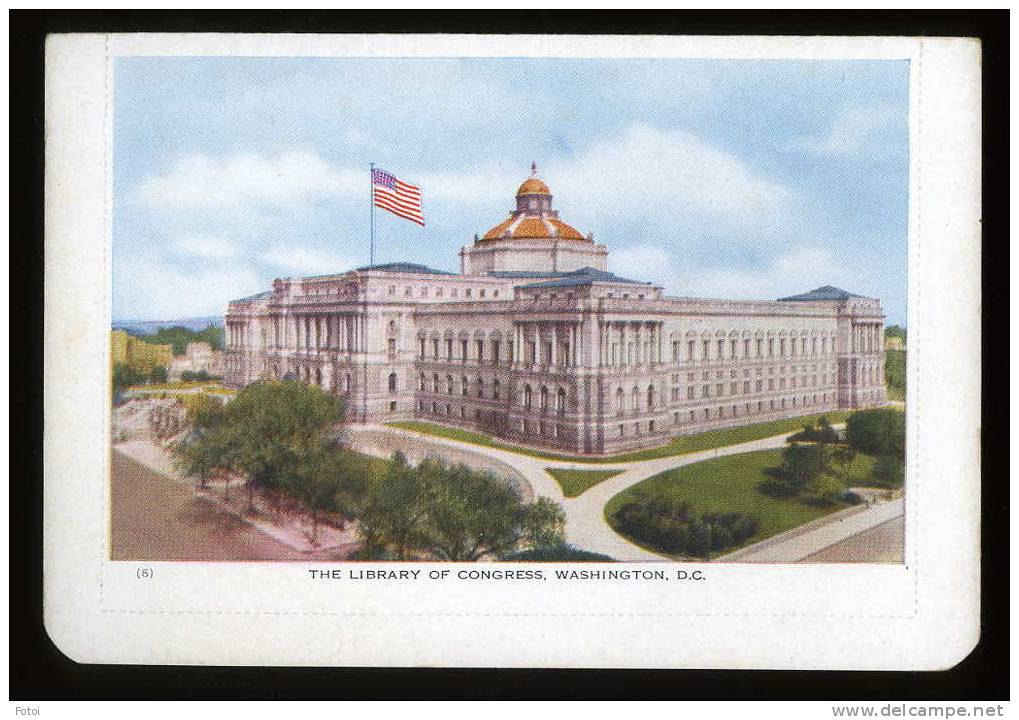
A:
392, 406
719, 347
481, 350
689, 393
771, 347
719, 389
746, 387
689, 350
706, 350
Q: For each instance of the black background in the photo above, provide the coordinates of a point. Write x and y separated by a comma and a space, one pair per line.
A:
40, 672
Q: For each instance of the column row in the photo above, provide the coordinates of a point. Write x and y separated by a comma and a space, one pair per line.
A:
866, 338
624, 343
546, 343
314, 333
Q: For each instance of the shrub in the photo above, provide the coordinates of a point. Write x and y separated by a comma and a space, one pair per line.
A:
877, 432
889, 471
670, 527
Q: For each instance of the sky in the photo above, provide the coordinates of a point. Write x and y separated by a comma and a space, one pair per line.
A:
714, 178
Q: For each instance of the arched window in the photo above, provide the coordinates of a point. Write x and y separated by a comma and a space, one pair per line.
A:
650, 397
560, 401
449, 384
527, 397
318, 377
620, 407
544, 398
392, 382
435, 382
463, 384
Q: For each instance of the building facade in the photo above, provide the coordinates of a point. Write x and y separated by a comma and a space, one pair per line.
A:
533, 341
138, 354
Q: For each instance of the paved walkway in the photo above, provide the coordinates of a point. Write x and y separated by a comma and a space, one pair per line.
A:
586, 527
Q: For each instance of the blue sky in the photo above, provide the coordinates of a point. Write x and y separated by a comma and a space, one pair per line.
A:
734, 179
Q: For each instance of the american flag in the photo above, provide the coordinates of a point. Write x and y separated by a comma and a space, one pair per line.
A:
400, 198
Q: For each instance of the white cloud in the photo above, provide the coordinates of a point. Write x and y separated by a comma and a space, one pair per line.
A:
853, 131
150, 290
306, 261
206, 247
797, 270
674, 174
200, 181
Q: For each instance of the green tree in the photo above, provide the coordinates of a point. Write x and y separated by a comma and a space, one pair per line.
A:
270, 427
881, 431
327, 480
125, 376
843, 456
396, 513
889, 471
158, 374
475, 514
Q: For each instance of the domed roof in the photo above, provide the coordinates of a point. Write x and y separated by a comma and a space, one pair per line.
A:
533, 186
534, 218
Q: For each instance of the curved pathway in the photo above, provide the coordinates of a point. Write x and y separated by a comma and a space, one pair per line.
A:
586, 527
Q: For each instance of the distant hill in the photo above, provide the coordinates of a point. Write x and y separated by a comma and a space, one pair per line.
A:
151, 327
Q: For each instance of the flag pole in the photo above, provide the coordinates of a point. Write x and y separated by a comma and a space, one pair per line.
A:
371, 210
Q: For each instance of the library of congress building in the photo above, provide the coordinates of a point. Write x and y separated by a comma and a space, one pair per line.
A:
533, 341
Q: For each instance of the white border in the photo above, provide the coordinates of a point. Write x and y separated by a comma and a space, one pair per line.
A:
917, 616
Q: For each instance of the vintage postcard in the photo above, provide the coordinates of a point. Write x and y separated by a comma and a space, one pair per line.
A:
526, 351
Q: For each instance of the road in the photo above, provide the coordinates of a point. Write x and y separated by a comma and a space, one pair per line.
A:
155, 518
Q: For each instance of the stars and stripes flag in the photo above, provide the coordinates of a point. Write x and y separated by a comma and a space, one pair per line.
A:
400, 198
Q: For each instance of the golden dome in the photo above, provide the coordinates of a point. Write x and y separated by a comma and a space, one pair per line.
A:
533, 186
531, 227
534, 218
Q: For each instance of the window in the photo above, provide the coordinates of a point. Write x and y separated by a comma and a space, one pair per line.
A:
650, 426
706, 348
560, 401
449, 349
527, 397
435, 348
759, 348
391, 347
392, 406
481, 388
732, 349
408, 291
758, 386
689, 350
481, 349
746, 387
435, 383
732, 388
650, 397
675, 351
482, 293
544, 398
392, 289
449, 384
463, 384
495, 389
689, 392
706, 391
746, 348
421, 349
771, 347
620, 406
392, 382
467, 292
719, 349
495, 352
463, 351
421, 382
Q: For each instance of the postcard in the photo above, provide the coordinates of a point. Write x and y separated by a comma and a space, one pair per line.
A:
522, 351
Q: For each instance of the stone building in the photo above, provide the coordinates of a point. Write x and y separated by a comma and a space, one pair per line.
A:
197, 357
535, 342
136, 353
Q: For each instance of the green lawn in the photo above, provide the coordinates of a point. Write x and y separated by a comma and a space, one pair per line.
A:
729, 484
575, 482
677, 446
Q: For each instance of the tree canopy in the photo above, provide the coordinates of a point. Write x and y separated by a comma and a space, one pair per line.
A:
881, 431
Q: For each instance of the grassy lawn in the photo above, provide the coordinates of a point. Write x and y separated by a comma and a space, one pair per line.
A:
575, 482
677, 446
896, 393
729, 484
